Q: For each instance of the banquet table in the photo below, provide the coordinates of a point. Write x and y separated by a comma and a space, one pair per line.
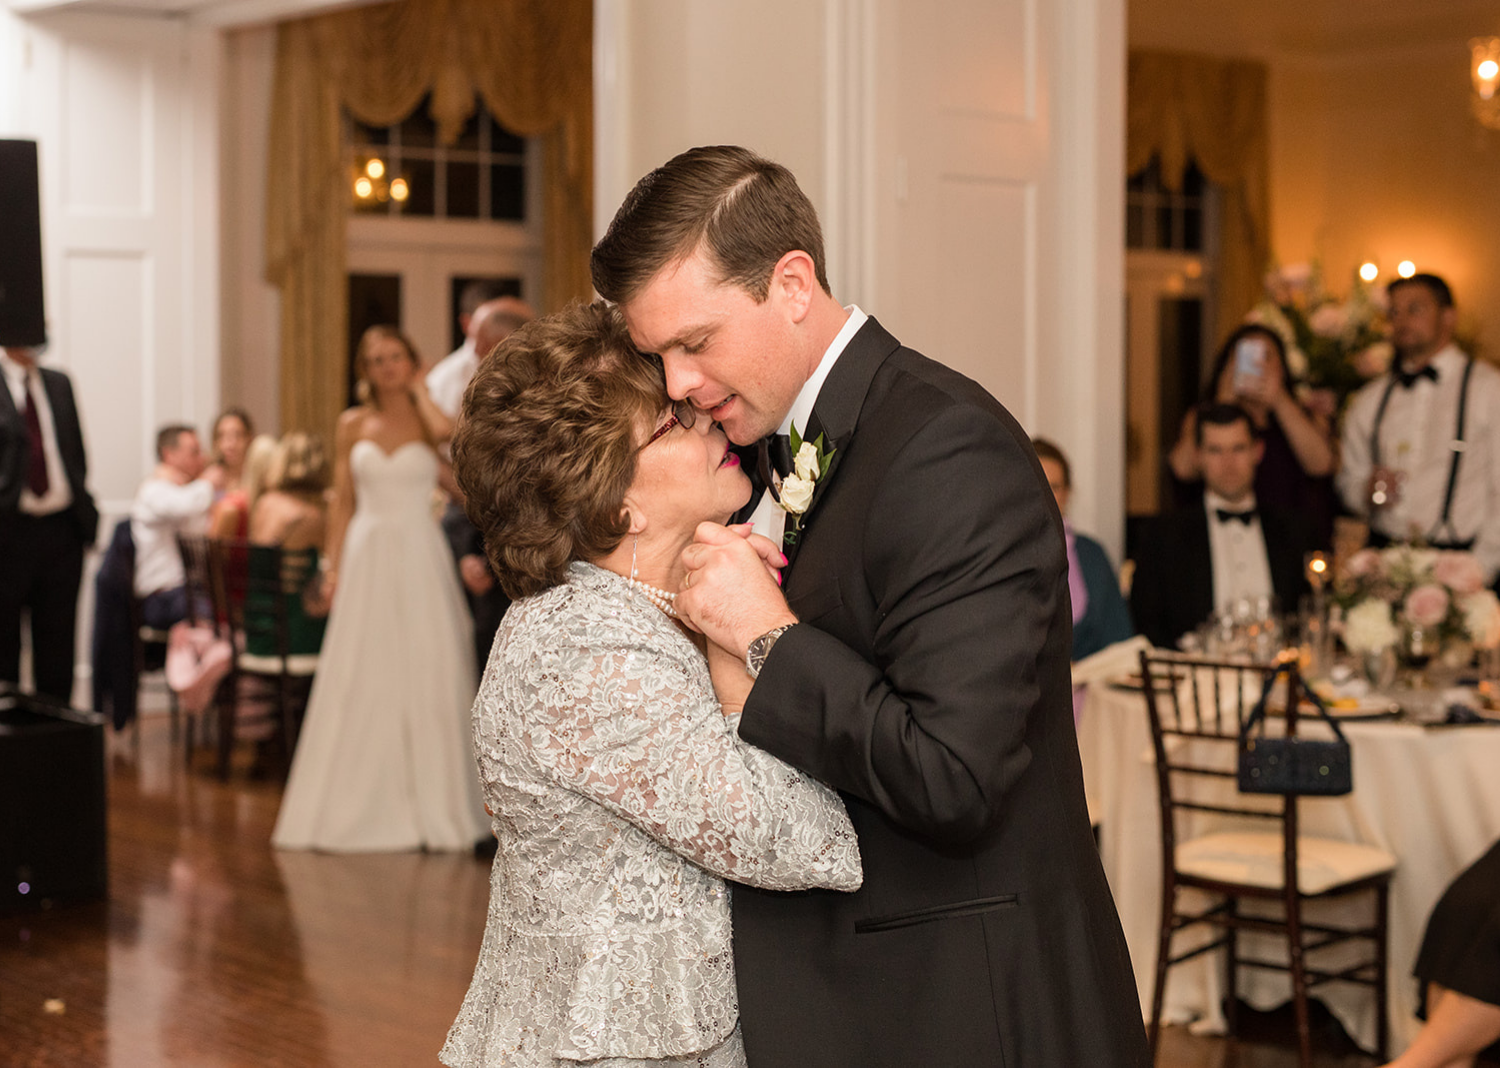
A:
1429, 795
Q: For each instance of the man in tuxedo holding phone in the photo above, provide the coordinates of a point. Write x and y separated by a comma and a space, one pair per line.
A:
47, 520
918, 661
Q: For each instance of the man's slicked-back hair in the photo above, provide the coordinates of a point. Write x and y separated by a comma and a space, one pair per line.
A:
743, 210
1434, 284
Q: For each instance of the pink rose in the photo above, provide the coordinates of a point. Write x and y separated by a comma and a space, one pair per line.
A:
1460, 572
1362, 564
1426, 606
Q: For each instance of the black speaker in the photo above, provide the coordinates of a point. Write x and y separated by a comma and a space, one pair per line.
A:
53, 840
23, 321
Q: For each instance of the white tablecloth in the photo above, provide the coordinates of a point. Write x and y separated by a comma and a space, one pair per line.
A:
1431, 796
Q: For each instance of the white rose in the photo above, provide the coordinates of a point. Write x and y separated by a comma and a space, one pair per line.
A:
796, 493
806, 464
1369, 628
1482, 618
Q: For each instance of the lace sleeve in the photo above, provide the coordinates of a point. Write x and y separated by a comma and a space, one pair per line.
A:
634, 726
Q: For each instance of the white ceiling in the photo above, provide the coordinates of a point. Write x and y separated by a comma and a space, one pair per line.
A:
1229, 27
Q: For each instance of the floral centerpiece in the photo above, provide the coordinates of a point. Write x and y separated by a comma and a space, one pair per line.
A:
1332, 345
1391, 595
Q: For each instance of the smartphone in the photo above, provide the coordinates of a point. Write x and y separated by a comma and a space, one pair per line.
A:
1249, 363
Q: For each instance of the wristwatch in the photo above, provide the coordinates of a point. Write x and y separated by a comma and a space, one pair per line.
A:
760, 648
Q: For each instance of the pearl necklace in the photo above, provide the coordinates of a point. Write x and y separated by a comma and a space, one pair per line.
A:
656, 595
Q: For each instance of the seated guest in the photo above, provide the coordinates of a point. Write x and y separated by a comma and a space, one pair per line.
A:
1297, 468
229, 446
230, 515
1223, 550
1459, 967
1100, 617
292, 511
291, 514
174, 500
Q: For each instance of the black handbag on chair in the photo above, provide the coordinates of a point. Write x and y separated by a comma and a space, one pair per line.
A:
1293, 765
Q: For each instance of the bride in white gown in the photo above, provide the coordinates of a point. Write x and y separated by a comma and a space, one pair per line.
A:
385, 761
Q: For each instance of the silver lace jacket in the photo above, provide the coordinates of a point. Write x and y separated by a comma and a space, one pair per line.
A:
622, 797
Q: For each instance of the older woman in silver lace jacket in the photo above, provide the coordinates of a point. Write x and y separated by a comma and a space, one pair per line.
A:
622, 796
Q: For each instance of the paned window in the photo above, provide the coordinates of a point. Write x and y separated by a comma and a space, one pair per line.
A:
403, 170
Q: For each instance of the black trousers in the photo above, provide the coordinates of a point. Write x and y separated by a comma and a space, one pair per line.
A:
41, 565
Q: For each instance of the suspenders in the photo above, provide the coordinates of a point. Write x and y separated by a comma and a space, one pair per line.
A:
1442, 535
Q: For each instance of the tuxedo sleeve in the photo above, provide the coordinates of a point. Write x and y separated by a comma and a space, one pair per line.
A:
964, 560
1149, 589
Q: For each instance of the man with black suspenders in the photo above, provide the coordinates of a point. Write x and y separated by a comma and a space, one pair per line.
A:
1421, 444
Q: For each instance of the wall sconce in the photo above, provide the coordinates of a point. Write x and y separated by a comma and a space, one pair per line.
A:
1485, 70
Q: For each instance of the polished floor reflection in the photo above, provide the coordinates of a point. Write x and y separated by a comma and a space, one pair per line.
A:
214, 950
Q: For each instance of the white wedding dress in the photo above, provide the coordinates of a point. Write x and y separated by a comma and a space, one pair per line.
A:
385, 761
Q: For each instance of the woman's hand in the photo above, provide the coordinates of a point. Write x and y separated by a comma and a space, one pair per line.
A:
732, 682
764, 547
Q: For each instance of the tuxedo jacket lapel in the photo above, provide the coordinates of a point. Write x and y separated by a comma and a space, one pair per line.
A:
835, 413
1198, 568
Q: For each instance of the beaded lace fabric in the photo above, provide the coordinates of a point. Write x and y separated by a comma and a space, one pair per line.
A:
622, 799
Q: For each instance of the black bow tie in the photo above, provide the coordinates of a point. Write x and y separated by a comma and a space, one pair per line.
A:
1409, 378
775, 455
1225, 515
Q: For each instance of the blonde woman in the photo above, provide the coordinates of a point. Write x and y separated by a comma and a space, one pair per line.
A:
384, 761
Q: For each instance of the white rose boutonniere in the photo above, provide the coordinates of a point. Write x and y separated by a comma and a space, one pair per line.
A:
810, 460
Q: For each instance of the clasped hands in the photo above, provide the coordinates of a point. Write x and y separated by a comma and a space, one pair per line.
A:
732, 589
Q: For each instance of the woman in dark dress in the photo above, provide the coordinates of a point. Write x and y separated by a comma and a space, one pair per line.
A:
1459, 968
1296, 472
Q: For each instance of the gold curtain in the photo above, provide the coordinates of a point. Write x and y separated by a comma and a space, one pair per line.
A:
531, 62
1183, 108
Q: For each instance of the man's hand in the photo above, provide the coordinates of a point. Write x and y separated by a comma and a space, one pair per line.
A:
729, 593
1384, 488
475, 572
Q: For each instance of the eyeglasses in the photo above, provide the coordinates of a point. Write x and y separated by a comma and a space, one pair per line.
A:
683, 415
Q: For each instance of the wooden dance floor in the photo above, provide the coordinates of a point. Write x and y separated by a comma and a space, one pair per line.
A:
214, 950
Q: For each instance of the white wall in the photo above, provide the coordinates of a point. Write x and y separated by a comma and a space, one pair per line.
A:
968, 170
124, 113
250, 313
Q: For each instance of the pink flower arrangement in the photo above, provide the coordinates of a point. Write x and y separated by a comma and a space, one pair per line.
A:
1460, 572
1440, 592
1427, 605
1332, 344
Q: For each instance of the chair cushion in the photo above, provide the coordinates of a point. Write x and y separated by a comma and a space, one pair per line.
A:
1254, 859
299, 664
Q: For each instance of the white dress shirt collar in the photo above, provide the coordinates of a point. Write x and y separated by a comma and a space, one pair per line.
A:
801, 410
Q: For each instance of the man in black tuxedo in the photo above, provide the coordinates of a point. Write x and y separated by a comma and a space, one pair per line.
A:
1224, 551
47, 520
918, 661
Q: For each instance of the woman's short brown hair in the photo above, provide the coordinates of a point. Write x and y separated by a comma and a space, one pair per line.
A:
545, 447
